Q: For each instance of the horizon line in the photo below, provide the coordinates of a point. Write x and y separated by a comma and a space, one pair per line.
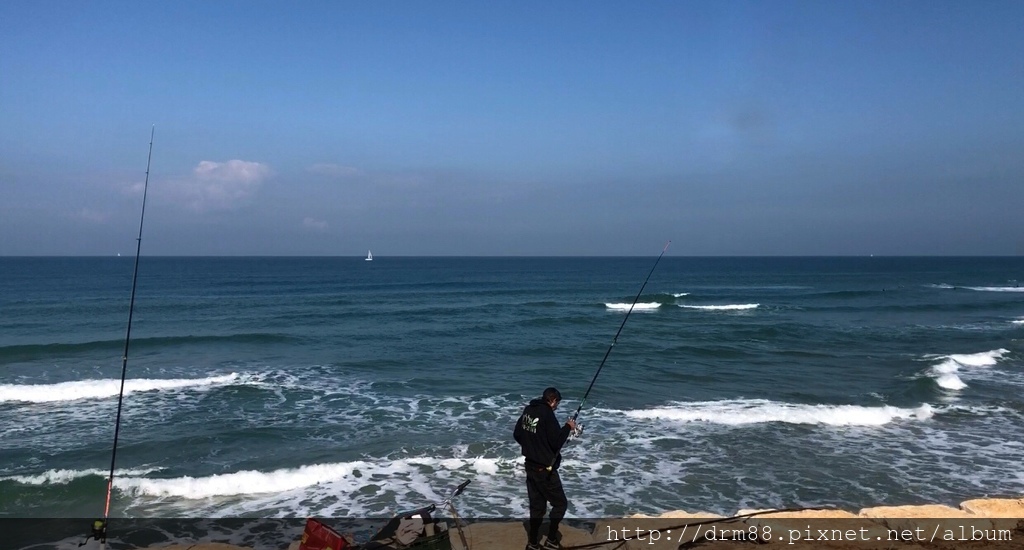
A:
406, 256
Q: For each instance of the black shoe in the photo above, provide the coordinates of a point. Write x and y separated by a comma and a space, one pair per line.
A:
532, 546
550, 545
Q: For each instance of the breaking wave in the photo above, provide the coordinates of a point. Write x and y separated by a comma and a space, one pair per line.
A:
946, 371
638, 306
101, 389
62, 477
757, 411
726, 307
252, 482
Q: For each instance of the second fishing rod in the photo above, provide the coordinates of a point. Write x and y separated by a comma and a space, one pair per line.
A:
579, 427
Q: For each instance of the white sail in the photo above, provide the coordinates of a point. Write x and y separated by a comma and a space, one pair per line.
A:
369, 256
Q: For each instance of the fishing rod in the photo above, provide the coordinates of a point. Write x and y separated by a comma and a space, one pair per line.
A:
99, 527
579, 428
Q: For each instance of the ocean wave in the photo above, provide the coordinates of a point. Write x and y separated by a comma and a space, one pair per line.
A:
945, 286
240, 483
950, 381
359, 473
101, 389
757, 411
63, 477
640, 306
24, 352
982, 359
726, 307
946, 371
243, 482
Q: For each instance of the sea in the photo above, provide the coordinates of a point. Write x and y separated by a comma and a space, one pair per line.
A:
290, 387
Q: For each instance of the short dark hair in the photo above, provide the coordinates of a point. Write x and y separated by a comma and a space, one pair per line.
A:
551, 394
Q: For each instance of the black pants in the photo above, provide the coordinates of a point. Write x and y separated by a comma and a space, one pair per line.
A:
544, 487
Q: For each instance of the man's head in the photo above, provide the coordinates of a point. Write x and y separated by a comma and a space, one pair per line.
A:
552, 397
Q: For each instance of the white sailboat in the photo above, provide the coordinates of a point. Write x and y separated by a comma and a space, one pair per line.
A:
369, 256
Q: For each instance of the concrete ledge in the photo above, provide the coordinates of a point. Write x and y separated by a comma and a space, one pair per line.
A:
879, 522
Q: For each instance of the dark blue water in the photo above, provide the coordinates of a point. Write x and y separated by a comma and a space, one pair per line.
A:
289, 387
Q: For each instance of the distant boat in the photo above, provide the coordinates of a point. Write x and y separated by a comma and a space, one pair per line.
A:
369, 256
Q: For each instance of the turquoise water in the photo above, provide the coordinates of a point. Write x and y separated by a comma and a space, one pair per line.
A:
287, 387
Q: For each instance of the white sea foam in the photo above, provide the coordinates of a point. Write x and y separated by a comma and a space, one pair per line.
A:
100, 389
757, 411
983, 359
947, 371
950, 381
402, 484
727, 307
680, 294
355, 474
639, 306
244, 482
1018, 321
623, 462
980, 288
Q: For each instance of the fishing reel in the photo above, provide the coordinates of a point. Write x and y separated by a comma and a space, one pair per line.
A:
577, 431
99, 532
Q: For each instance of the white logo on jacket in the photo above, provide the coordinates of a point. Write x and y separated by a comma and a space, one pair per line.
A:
530, 423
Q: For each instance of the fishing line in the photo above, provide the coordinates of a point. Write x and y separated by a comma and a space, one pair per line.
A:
99, 528
616, 338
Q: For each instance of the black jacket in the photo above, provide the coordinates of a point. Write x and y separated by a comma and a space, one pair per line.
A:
539, 433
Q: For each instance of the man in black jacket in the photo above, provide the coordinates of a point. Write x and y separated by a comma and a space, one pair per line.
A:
541, 438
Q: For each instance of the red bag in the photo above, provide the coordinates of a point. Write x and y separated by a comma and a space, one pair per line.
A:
318, 536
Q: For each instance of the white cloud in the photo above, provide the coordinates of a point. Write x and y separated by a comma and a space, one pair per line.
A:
318, 225
90, 215
235, 171
220, 185
334, 170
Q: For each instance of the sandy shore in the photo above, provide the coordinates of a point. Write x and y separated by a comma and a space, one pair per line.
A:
996, 524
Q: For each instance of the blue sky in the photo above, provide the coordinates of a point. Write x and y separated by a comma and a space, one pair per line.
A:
525, 128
